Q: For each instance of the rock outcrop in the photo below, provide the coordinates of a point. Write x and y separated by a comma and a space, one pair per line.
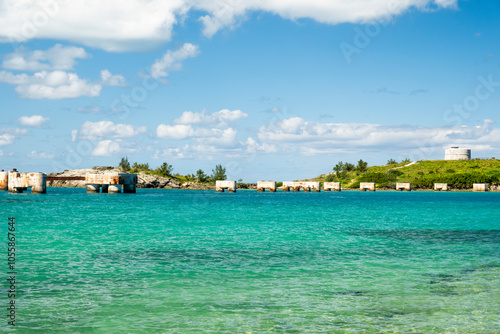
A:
144, 180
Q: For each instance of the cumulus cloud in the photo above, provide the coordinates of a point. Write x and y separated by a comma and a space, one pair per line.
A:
213, 136
34, 121
314, 138
172, 60
107, 147
8, 135
56, 58
6, 139
135, 24
108, 79
220, 118
40, 155
108, 129
50, 85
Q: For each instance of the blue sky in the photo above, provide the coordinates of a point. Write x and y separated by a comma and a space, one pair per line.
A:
271, 89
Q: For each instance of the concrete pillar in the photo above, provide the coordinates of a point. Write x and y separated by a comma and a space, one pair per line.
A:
329, 186
4, 180
129, 188
286, 188
38, 183
93, 188
104, 188
306, 189
364, 186
296, 188
229, 185
403, 186
440, 186
480, 187
115, 188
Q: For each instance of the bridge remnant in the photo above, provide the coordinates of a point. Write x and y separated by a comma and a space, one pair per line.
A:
18, 182
305, 186
329, 186
220, 186
263, 185
111, 183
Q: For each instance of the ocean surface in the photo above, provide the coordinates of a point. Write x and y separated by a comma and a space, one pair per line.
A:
194, 261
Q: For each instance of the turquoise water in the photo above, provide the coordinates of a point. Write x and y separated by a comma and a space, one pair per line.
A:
181, 261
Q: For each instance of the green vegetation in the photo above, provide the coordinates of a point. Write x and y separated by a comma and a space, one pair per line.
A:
422, 174
219, 173
124, 164
165, 170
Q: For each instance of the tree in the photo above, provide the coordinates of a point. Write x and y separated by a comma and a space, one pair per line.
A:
338, 168
165, 169
349, 167
124, 164
406, 160
219, 173
362, 166
136, 167
391, 162
201, 176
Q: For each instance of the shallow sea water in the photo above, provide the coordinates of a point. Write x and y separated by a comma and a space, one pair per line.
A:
194, 261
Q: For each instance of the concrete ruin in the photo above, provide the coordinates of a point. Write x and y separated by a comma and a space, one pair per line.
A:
305, 186
111, 183
367, 186
263, 185
440, 186
20, 182
480, 187
400, 186
4, 180
329, 186
220, 186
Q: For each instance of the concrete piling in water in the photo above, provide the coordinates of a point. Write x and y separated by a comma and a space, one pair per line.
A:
111, 183
305, 186
440, 186
220, 186
403, 186
4, 180
367, 186
19, 182
329, 186
263, 185
480, 187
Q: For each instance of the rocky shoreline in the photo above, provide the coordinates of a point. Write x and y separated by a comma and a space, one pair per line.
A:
143, 180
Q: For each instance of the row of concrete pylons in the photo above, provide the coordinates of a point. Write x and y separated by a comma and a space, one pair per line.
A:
16, 182
270, 186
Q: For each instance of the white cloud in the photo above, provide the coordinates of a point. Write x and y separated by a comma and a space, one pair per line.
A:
6, 139
56, 58
108, 79
314, 138
34, 121
219, 118
97, 130
107, 147
50, 85
8, 135
40, 155
216, 137
172, 60
175, 131
135, 24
